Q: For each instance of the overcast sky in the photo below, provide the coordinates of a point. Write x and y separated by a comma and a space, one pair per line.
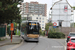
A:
49, 3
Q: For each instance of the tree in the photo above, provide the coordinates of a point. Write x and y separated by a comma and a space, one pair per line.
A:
47, 26
74, 24
73, 7
9, 11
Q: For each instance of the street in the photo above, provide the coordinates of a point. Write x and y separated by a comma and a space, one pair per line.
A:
49, 23
43, 44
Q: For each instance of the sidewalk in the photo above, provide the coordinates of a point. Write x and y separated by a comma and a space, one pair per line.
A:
16, 40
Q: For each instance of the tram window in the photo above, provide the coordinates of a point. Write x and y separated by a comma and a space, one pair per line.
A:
35, 32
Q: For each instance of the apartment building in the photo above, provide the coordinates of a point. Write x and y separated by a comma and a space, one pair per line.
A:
34, 8
62, 13
41, 19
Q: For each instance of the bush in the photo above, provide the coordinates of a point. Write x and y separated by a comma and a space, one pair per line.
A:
56, 35
42, 33
8, 30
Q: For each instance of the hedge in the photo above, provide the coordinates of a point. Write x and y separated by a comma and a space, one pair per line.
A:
56, 35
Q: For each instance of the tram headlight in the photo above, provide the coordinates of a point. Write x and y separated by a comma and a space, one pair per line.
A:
38, 35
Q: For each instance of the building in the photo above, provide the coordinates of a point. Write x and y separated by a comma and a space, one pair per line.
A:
62, 13
41, 19
74, 16
34, 8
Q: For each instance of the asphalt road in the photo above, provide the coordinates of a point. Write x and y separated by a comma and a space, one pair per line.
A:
44, 44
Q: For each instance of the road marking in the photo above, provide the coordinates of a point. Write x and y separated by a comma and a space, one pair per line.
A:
16, 46
62, 44
59, 42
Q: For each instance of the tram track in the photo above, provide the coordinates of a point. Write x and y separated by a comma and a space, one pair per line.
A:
46, 46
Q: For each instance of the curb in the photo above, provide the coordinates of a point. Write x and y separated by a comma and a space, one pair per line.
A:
10, 43
16, 46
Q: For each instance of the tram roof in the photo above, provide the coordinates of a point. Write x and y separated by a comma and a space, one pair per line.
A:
29, 21
32, 21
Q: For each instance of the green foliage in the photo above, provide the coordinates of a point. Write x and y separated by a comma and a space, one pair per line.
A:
47, 26
42, 33
73, 7
9, 11
74, 24
17, 32
52, 34
0, 4
8, 30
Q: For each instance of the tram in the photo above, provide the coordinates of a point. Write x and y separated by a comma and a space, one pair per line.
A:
30, 30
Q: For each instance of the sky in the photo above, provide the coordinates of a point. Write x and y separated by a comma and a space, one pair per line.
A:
49, 3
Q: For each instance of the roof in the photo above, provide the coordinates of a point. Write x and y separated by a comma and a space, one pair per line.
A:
59, 1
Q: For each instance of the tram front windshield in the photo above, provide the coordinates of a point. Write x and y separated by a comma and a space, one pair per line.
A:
33, 28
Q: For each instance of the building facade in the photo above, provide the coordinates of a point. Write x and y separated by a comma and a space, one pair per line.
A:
41, 19
34, 8
61, 13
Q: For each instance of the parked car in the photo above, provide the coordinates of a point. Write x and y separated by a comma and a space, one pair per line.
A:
71, 44
71, 34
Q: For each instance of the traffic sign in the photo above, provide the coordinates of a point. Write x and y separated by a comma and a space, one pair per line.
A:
54, 24
11, 28
12, 25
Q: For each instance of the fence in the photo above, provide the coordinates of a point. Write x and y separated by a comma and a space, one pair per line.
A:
66, 30
2, 30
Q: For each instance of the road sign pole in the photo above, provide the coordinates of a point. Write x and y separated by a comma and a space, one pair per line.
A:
12, 29
11, 36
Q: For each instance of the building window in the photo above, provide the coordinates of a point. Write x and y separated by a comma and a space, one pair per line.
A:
39, 21
36, 17
42, 21
42, 27
42, 18
42, 24
39, 18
